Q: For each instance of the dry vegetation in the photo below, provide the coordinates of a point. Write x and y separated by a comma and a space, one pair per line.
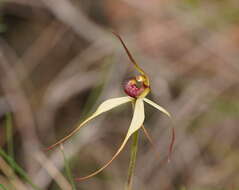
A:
58, 61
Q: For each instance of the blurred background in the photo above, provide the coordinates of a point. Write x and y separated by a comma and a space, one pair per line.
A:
59, 61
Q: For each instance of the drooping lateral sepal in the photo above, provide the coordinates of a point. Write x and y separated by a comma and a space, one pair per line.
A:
136, 123
104, 107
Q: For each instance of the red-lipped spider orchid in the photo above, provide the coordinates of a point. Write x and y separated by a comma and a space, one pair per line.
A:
137, 89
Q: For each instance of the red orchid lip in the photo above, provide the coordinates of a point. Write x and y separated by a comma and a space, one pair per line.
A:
137, 86
133, 90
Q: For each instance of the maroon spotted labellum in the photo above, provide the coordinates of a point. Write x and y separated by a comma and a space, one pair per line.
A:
134, 88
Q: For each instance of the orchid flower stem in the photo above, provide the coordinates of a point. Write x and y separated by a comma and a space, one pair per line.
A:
9, 135
134, 148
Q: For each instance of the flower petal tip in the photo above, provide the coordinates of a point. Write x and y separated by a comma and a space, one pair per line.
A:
160, 108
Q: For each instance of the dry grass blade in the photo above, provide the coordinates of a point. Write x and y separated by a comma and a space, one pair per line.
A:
7, 170
18, 169
53, 171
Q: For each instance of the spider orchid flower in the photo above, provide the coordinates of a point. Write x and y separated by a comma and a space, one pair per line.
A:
137, 89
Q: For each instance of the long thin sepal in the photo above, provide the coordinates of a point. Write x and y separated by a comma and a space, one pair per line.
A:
146, 133
171, 145
169, 115
104, 107
131, 58
160, 108
136, 123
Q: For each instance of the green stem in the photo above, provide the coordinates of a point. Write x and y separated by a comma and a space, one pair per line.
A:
9, 134
68, 169
134, 148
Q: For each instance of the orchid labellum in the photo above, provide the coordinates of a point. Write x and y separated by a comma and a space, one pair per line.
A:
137, 89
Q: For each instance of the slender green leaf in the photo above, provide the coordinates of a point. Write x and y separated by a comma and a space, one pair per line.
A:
68, 169
9, 135
18, 169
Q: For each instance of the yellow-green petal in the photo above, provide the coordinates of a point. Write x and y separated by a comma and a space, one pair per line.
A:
136, 123
138, 117
160, 108
104, 107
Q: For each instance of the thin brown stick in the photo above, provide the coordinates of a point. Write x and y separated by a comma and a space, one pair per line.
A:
157, 154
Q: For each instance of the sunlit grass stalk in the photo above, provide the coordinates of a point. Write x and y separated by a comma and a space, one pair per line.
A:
9, 135
68, 169
18, 169
132, 163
